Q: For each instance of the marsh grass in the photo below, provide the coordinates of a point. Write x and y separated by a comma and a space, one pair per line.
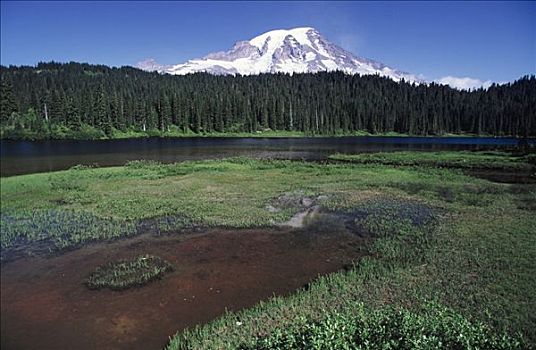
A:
460, 160
442, 236
47, 232
62, 228
126, 274
461, 279
525, 196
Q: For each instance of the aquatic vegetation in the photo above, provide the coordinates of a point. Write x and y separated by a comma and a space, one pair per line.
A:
462, 160
406, 225
125, 274
165, 224
49, 231
61, 228
399, 210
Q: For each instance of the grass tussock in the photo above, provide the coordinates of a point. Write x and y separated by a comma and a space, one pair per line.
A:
126, 274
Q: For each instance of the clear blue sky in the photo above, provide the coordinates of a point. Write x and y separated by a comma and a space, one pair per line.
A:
485, 40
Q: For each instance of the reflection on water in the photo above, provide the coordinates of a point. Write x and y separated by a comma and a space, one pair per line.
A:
23, 157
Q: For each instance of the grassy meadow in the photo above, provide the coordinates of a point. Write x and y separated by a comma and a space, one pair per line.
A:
458, 160
461, 276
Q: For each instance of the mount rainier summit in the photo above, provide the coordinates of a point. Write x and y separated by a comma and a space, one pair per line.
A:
298, 50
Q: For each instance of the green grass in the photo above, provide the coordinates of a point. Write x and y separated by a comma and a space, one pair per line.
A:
476, 263
61, 228
461, 160
176, 132
126, 274
87, 132
387, 328
54, 131
473, 259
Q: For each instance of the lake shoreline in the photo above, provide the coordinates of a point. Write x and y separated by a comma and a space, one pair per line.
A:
276, 134
24, 157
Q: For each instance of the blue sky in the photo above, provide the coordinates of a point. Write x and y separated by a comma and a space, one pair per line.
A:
493, 41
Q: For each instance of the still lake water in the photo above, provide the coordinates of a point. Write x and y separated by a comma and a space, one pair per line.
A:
24, 157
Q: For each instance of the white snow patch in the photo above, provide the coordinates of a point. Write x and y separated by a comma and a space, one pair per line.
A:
277, 37
330, 65
309, 56
319, 55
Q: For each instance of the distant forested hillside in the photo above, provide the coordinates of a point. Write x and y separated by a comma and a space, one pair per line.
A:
93, 101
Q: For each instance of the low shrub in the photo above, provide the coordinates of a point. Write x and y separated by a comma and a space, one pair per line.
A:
388, 328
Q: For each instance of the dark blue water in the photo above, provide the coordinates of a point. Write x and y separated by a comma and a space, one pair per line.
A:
23, 157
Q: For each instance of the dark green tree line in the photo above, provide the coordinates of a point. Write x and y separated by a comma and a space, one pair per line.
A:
75, 96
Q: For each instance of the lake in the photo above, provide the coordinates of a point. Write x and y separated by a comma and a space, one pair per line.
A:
24, 157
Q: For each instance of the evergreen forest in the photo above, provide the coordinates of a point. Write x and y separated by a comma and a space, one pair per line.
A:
75, 100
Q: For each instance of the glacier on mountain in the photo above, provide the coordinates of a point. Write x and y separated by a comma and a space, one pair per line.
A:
298, 50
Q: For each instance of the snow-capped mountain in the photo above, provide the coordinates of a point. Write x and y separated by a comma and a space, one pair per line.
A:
298, 50
151, 65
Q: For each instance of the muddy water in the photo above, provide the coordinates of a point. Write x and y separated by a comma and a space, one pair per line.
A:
45, 305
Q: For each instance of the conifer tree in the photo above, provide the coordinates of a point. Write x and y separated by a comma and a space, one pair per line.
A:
73, 94
7, 101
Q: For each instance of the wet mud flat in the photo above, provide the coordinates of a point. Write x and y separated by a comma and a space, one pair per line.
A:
45, 305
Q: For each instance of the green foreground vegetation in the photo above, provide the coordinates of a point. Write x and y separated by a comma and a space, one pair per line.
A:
462, 280
124, 274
